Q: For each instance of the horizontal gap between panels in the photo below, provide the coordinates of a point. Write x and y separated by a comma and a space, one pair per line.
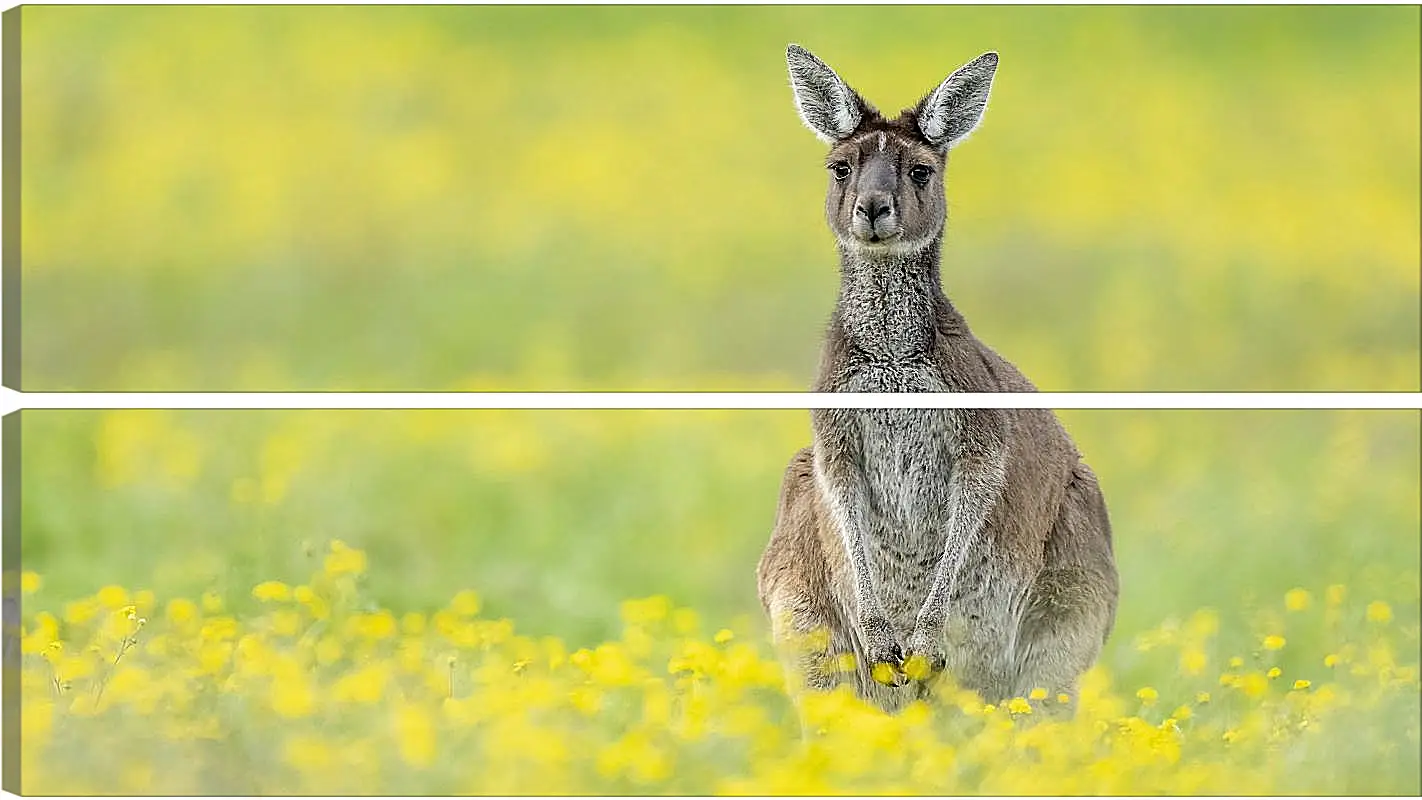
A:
11, 400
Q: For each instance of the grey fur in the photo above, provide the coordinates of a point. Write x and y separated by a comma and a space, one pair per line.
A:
950, 112
976, 539
826, 103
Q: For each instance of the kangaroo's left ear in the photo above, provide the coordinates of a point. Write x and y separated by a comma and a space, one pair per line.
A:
951, 112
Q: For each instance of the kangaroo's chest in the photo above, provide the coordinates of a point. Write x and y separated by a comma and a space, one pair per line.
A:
907, 462
906, 456
908, 469
906, 452
916, 374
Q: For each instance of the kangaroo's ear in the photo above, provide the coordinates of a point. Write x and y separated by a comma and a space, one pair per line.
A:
951, 112
826, 104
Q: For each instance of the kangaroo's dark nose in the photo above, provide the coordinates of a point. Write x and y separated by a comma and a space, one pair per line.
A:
874, 205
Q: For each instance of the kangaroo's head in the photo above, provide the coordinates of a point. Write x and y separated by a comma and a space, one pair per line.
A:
886, 176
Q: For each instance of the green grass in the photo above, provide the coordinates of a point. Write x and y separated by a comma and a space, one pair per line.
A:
556, 516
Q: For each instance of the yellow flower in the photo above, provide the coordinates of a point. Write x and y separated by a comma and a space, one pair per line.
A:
380, 625
1202, 697
212, 657
1018, 705
1037, 694
415, 731
30, 582
466, 603
1274, 642
344, 560
211, 603
37, 719
291, 694
686, 621
316, 605
1183, 712
44, 635
1301, 684
1275, 672
112, 597
1336, 594
73, 668
1203, 623
636, 756
883, 673
286, 623
1379, 612
1147, 696
365, 685
724, 635
1330, 660
271, 590
917, 667
80, 611
1063, 698
307, 752
609, 665
555, 651
1253, 684
1235, 662
219, 629
587, 699
645, 611
328, 651
1193, 661
1297, 599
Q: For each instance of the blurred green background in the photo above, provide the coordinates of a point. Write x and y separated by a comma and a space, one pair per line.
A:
554, 517
283, 198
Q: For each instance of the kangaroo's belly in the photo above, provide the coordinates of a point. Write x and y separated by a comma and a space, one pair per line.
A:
908, 464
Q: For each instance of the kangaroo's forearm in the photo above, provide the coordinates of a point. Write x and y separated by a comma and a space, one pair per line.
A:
846, 497
978, 486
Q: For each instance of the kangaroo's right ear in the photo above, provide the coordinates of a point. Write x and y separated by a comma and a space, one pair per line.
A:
951, 112
826, 104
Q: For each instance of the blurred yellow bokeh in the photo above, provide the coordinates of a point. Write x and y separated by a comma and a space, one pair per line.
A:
1185, 198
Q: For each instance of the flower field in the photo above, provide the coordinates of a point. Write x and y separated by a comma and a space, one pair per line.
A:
438, 602
319, 692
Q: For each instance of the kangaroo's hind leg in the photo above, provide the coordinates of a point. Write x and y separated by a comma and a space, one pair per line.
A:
795, 580
810, 643
1072, 605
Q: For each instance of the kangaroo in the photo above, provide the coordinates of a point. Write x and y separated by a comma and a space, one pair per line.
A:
912, 543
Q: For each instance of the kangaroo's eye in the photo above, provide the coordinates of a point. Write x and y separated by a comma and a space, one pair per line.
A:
840, 170
920, 174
